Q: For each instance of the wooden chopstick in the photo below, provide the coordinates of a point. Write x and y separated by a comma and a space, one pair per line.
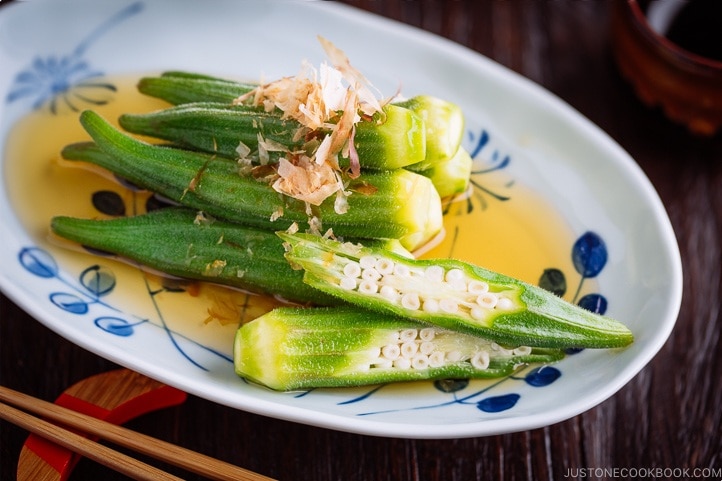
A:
170, 453
85, 447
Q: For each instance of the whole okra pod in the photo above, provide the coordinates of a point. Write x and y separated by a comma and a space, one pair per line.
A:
176, 87
393, 204
398, 140
297, 348
451, 294
183, 243
216, 128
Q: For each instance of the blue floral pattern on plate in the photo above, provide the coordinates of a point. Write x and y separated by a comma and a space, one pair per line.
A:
68, 80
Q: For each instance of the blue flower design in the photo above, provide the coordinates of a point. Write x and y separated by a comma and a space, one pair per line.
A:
68, 80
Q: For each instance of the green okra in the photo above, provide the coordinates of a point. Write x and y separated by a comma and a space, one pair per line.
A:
451, 176
389, 141
444, 123
216, 128
182, 243
176, 87
297, 348
451, 294
394, 204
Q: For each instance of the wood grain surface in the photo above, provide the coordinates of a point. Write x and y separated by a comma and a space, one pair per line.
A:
667, 417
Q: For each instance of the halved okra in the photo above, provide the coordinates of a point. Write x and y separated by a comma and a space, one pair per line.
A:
297, 348
183, 243
395, 204
390, 141
451, 294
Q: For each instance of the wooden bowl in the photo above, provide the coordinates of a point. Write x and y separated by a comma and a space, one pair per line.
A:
686, 84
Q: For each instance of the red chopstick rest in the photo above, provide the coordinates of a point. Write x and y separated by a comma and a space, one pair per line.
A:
115, 396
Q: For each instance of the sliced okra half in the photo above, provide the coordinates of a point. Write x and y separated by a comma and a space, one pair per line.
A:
451, 294
300, 348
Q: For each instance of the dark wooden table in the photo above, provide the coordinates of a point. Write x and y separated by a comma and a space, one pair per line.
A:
668, 417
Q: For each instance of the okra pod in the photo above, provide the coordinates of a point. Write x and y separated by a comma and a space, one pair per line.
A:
394, 142
183, 243
394, 204
450, 176
183, 87
297, 348
451, 294
444, 123
216, 128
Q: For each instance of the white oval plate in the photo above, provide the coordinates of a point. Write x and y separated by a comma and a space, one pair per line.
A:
595, 186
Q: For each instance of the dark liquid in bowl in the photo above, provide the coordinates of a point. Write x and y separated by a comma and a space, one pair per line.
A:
696, 26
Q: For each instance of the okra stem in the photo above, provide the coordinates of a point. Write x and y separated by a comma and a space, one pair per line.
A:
451, 294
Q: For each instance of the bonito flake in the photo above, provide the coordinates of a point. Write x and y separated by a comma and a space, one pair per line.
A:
328, 103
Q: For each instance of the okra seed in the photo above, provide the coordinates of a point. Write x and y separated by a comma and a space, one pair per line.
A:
480, 360
348, 283
448, 305
420, 361
495, 346
431, 305
367, 262
402, 363
487, 300
477, 287
384, 266
371, 274
522, 351
427, 334
402, 270
434, 273
477, 313
408, 335
391, 351
368, 287
409, 349
426, 347
436, 359
504, 303
383, 364
411, 300
454, 275
390, 293
457, 284
352, 269
453, 356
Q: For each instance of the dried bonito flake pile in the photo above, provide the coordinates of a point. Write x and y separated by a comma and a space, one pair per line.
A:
328, 102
